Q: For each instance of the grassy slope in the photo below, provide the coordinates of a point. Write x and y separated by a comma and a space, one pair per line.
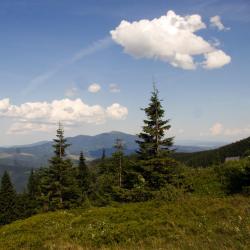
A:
188, 223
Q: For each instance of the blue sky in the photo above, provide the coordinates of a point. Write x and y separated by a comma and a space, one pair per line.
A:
54, 50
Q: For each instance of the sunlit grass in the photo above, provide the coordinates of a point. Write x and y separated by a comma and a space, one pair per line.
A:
187, 223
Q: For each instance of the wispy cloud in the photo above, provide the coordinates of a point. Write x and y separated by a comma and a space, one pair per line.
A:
87, 51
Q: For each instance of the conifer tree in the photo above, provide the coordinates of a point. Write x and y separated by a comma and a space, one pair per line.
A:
32, 185
156, 166
118, 156
152, 141
103, 154
8, 211
62, 190
83, 175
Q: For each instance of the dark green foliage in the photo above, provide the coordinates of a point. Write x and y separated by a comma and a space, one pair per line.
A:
158, 171
118, 158
8, 196
152, 139
103, 154
58, 183
60, 144
83, 176
32, 185
235, 176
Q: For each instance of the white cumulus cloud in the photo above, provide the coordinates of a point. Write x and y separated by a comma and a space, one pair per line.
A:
215, 21
39, 116
216, 59
171, 38
94, 88
116, 111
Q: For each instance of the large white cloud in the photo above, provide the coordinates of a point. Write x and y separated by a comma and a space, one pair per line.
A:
170, 38
39, 115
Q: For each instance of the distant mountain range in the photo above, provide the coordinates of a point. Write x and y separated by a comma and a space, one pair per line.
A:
20, 159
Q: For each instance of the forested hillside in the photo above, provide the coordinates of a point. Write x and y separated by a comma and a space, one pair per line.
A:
205, 158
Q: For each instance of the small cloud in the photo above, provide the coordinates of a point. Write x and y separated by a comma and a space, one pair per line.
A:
216, 59
216, 129
79, 55
94, 88
113, 88
116, 111
4, 104
71, 92
215, 21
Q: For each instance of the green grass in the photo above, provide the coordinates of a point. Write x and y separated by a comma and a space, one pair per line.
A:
188, 223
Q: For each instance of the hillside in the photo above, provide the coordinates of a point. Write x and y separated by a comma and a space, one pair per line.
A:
187, 223
215, 156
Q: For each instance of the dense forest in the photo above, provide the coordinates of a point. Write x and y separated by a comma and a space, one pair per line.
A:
155, 172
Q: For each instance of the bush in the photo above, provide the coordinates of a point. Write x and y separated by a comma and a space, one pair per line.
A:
169, 193
131, 195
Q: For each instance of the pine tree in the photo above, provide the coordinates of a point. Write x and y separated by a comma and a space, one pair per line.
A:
118, 156
156, 166
62, 189
32, 185
8, 211
152, 141
60, 143
83, 175
103, 154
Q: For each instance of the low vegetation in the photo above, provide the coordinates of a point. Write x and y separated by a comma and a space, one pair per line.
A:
187, 222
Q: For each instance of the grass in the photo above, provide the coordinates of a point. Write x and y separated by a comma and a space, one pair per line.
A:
188, 223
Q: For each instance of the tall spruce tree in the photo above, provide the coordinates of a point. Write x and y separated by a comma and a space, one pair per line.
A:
152, 141
8, 196
157, 167
103, 154
83, 175
118, 156
62, 188
32, 185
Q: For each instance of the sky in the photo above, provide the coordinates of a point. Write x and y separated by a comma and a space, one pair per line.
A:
90, 64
